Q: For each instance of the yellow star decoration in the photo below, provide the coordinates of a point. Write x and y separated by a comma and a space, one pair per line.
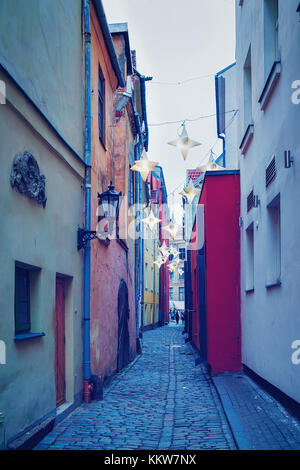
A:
184, 143
143, 166
189, 192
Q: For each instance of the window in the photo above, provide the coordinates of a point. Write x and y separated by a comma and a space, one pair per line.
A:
131, 175
145, 314
181, 293
171, 293
101, 106
171, 275
181, 253
273, 262
250, 258
270, 34
152, 278
146, 276
181, 276
247, 91
22, 300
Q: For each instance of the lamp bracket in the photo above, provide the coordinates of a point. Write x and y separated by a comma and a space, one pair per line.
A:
83, 236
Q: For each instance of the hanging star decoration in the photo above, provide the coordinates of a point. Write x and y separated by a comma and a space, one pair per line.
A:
173, 251
164, 250
172, 228
190, 191
184, 143
144, 166
172, 267
211, 165
159, 261
151, 220
180, 271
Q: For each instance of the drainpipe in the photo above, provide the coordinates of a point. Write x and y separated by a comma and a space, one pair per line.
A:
87, 223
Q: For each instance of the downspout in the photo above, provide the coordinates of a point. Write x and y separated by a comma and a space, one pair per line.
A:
221, 136
87, 222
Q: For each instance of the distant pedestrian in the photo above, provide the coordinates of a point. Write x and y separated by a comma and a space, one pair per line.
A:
177, 317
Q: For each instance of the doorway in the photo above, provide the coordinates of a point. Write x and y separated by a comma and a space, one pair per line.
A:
60, 355
123, 331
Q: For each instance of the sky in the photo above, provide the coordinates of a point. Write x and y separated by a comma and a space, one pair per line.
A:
177, 41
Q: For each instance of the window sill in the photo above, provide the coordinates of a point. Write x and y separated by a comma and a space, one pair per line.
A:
247, 139
249, 291
273, 284
270, 84
25, 336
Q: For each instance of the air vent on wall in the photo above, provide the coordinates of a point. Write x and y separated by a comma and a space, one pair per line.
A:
271, 171
250, 201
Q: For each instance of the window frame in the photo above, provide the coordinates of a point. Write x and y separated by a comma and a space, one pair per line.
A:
19, 326
101, 106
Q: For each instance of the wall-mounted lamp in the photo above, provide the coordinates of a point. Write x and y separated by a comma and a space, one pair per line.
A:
288, 159
108, 209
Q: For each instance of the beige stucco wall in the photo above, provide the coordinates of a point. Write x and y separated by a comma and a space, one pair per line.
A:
44, 238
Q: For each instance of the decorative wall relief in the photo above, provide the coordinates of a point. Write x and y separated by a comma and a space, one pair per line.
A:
26, 178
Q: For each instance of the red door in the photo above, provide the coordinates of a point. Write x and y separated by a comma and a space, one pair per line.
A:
60, 341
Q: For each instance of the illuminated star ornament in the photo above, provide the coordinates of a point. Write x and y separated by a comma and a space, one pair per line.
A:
151, 220
143, 166
172, 228
190, 191
184, 143
211, 165
159, 261
164, 250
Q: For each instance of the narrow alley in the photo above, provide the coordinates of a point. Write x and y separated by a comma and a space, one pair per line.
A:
161, 402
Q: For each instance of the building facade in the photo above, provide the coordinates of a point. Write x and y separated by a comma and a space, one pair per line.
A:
176, 278
268, 68
42, 175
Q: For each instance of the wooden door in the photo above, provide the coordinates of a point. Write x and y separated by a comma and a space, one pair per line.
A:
60, 341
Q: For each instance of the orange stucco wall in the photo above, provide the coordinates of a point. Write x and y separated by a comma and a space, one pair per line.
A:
109, 264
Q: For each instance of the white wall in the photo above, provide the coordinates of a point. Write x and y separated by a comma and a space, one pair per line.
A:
270, 316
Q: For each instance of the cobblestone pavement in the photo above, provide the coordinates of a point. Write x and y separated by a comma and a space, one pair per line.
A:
161, 402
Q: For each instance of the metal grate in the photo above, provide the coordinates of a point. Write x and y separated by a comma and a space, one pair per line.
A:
250, 201
271, 171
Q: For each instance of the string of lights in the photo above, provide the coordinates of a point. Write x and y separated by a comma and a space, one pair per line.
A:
189, 120
183, 82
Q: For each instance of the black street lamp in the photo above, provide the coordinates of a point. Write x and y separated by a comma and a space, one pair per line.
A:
109, 206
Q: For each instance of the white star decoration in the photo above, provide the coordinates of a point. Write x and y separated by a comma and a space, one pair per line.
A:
189, 192
211, 165
172, 228
143, 166
151, 220
184, 143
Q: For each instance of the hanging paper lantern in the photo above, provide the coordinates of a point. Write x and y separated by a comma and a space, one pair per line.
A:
184, 143
190, 191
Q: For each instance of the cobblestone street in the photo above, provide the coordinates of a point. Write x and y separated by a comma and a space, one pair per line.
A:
162, 401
